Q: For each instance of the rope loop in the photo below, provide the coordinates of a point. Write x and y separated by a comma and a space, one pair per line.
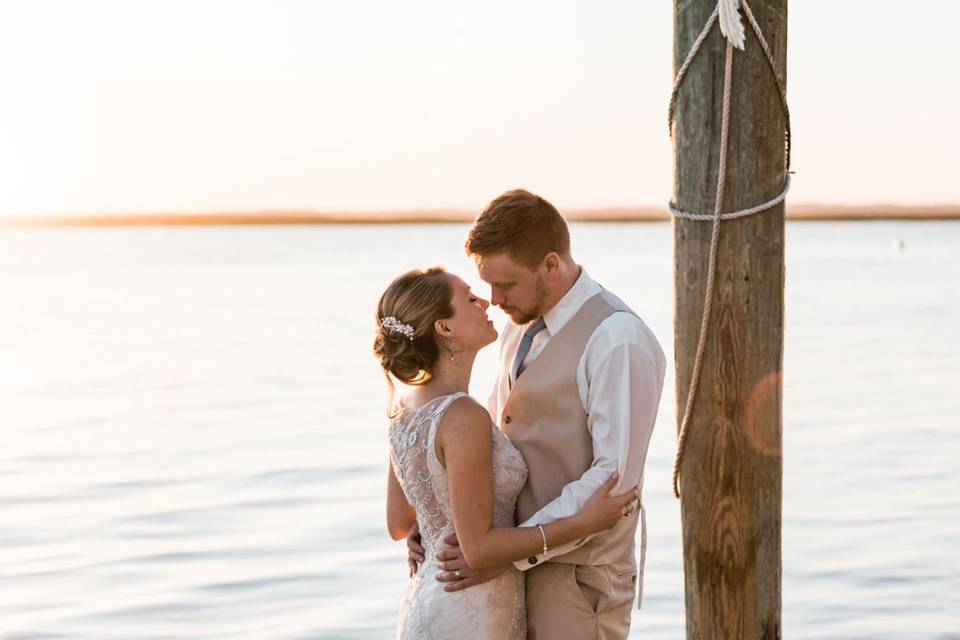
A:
733, 215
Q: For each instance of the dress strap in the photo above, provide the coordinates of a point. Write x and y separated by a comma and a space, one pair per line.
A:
442, 406
436, 416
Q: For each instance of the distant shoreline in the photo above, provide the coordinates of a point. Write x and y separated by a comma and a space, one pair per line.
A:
433, 216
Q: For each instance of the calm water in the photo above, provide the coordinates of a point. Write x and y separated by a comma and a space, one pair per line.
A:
192, 439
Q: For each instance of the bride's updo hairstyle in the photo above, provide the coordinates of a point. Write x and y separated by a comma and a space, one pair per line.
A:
405, 343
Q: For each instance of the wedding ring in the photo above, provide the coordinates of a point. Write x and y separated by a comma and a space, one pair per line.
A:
457, 573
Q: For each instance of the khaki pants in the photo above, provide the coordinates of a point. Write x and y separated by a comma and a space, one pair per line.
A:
580, 602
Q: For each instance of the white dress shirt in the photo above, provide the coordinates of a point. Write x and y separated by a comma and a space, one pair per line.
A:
619, 379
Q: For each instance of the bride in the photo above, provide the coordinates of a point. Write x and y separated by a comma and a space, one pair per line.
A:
452, 471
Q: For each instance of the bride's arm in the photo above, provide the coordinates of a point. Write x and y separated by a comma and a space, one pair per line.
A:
400, 515
466, 450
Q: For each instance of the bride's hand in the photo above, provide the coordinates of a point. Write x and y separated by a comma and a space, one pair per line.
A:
602, 511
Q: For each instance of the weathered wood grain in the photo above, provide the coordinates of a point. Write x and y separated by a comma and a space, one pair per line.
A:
731, 479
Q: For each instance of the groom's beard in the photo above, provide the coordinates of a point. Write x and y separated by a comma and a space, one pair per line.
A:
520, 317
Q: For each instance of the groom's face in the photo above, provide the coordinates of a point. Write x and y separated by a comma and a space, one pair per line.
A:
517, 289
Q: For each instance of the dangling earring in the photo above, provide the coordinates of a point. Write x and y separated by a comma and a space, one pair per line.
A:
453, 349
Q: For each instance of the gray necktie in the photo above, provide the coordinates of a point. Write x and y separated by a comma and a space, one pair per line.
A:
524, 347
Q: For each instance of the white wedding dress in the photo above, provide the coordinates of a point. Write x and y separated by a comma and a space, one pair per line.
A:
493, 610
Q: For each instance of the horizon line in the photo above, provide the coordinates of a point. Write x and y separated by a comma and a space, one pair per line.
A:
458, 215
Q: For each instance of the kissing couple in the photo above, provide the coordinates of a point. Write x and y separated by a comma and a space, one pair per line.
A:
520, 518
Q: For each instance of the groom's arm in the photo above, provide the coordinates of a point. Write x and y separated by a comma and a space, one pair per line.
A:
624, 378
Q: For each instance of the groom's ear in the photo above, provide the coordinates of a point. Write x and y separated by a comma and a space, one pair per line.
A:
551, 262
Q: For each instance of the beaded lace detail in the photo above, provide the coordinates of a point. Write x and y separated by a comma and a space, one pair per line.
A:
494, 609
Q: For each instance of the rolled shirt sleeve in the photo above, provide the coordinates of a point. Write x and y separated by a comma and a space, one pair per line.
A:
620, 378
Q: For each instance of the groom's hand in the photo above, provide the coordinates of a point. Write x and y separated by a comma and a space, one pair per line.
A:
457, 572
415, 552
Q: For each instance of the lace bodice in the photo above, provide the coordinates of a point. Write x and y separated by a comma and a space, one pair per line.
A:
424, 480
494, 609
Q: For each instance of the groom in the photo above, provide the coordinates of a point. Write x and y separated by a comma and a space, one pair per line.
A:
577, 393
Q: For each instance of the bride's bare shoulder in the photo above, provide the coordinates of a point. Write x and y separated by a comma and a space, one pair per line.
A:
464, 428
466, 415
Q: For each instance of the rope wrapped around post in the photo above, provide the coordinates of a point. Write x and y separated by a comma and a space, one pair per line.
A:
726, 13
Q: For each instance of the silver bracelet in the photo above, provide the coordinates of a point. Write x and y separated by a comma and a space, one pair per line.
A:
544, 536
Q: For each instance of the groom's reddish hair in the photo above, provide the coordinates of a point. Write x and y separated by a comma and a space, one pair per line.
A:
522, 225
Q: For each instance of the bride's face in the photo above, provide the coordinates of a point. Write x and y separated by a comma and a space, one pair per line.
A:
470, 326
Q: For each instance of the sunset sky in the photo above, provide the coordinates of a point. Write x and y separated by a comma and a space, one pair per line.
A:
184, 106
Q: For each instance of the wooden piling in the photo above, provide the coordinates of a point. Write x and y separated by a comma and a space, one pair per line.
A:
731, 478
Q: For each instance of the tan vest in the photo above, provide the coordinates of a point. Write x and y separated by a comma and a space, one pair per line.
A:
545, 420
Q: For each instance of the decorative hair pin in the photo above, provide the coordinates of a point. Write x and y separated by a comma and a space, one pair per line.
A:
395, 326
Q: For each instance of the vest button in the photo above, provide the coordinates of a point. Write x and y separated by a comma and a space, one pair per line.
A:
507, 419
532, 559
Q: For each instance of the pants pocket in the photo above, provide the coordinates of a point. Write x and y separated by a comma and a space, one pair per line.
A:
606, 587
622, 571
623, 585
594, 585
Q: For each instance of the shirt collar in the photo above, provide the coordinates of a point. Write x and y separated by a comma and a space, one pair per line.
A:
561, 313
